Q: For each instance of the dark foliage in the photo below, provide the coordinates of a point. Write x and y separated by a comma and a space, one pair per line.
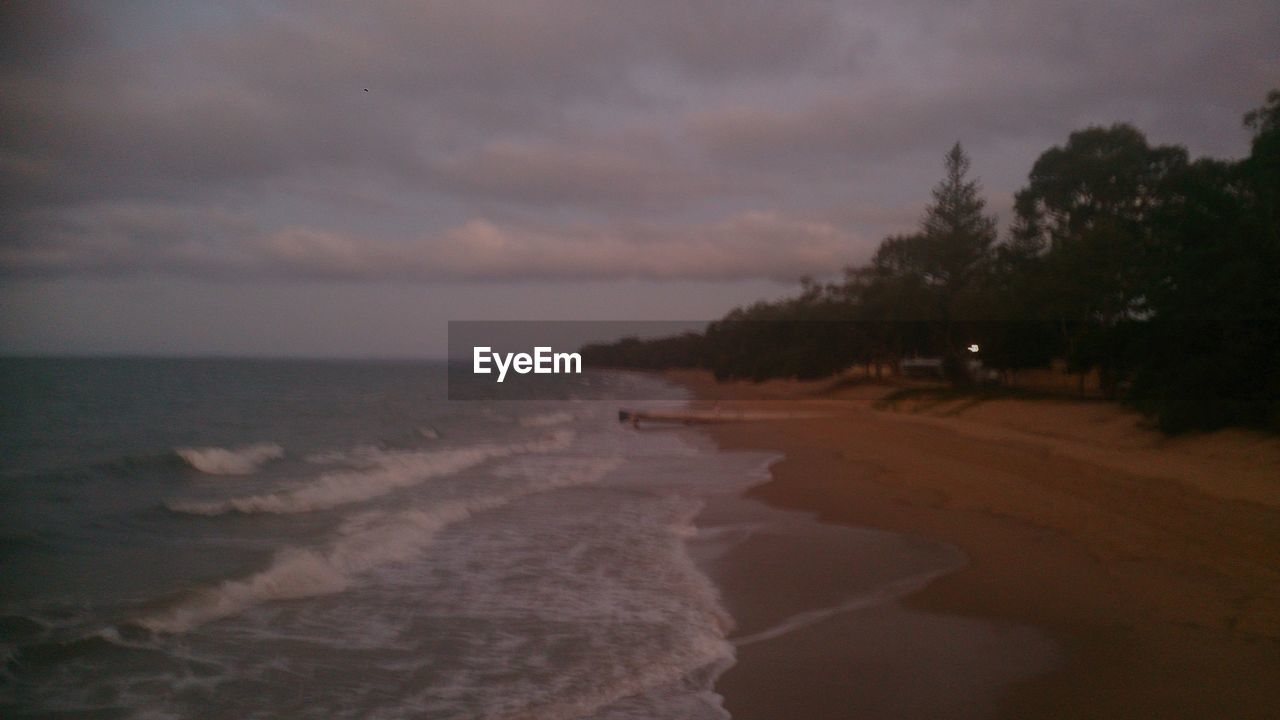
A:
1160, 273
679, 351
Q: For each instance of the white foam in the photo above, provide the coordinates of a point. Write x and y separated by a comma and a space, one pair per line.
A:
360, 456
298, 572
546, 419
607, 700
390, 471
620, 576
880, 596
366, 541
550, 473
235, 461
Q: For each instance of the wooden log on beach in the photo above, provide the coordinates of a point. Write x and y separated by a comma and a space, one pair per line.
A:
686, 417
708, 417
682, 417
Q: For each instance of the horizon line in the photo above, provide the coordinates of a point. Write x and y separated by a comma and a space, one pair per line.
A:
78, 355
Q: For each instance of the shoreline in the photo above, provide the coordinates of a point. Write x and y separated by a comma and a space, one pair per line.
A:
1153, 565
811, 599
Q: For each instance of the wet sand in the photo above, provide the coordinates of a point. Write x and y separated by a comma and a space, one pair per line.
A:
1151, 566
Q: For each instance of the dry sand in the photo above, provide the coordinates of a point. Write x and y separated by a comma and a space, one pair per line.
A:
1153, 564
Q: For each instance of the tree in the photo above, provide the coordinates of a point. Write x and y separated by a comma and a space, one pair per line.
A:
1263, 163
957, 232
925, 280
955, 243
1210, 355
1086, 213
1126, 257
1102, 175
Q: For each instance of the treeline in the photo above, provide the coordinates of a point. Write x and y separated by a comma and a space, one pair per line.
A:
1159, 272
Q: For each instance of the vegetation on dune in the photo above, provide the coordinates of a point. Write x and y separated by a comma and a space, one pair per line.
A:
1159, 272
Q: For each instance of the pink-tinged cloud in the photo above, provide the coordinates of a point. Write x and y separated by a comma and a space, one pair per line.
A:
750, 245
154, 240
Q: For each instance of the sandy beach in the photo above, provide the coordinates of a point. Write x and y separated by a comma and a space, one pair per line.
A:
1109, 571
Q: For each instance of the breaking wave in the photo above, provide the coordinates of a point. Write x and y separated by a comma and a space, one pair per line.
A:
389, 472
367, 541
235, 461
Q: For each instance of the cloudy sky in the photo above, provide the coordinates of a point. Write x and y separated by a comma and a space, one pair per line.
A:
341, 178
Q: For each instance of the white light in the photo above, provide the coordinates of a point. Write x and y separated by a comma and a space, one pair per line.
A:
973, 348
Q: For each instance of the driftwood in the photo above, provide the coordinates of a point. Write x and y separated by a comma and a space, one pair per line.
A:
705, 417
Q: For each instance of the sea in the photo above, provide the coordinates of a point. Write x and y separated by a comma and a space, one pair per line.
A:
210, 538
336, 539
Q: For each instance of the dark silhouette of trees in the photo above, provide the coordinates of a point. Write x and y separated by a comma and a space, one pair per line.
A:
1161, 273
684, 350
919, 287
957, 236
810, 336
1085, 219
1210, 355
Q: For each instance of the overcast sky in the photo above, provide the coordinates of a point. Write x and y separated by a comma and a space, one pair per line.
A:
341, 178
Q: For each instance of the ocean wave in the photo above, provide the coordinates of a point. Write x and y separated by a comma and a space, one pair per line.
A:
367, 541
657, 627
390, 471
679, 684
546, 419
235, 461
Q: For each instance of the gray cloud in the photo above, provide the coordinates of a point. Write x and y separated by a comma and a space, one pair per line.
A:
637, 172
563, 138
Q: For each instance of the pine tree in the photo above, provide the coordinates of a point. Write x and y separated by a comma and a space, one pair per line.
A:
958, 235
956, 238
